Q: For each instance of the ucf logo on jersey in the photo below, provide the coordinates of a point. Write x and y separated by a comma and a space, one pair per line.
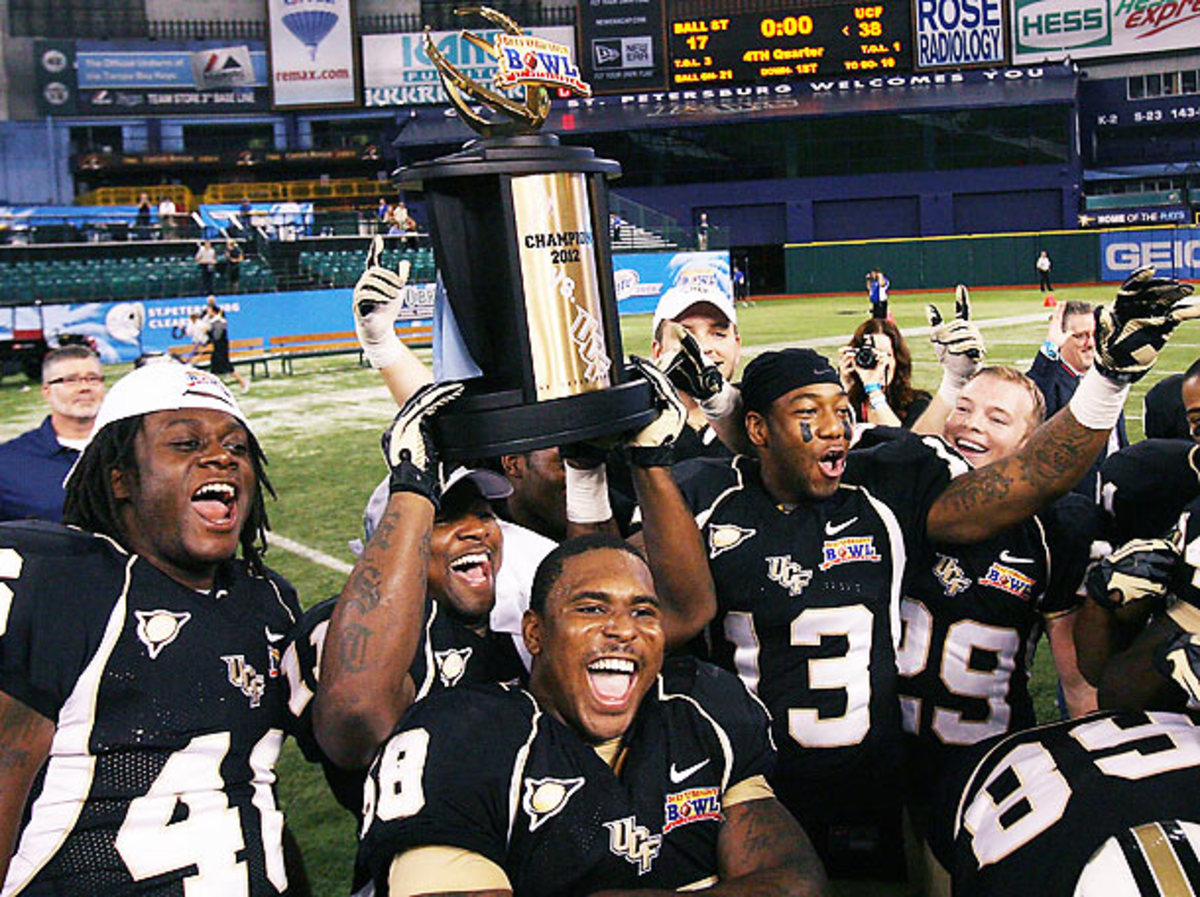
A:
452, 664
158, 628
545, 798
633, 842
245, 678
952, 577
789, 574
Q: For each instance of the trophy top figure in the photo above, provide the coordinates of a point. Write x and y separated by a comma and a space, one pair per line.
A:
525, 61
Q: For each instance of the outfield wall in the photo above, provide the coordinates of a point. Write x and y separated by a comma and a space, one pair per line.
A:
993, 260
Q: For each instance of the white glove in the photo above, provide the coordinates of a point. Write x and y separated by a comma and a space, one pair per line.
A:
378, 297
958, 344
654, 444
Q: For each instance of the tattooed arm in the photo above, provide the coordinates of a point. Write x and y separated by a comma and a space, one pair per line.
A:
373, 635
25, 737
986, 501
761, 852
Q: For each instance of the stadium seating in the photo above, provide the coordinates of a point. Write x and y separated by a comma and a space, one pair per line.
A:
117, 279
342, 268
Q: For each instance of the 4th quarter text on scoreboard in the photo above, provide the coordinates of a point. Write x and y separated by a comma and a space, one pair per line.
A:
746, 48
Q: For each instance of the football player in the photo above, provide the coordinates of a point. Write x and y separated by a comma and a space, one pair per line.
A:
453, 644
139, 659
615, 772
808, 568
1145, 486
1103, 806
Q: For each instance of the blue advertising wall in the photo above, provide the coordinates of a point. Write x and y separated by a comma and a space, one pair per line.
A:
1174, 251
124, 330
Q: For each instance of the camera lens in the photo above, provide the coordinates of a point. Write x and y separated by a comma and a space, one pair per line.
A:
865, 357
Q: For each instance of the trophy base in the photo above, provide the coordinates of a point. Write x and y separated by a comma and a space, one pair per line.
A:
490, 424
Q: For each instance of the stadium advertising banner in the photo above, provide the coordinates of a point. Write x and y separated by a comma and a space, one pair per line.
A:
1084, 29
396, 71
122, 331
1175, 252
147, 77
312, 53
958, 33
621, 45
1148, 216
642, 278
747, 48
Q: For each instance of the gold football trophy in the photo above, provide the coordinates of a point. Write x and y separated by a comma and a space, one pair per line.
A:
520, 234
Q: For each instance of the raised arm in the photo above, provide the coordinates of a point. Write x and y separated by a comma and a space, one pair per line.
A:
375, 628
674, 547
25, 737
378, 298
1129, 337
960, 350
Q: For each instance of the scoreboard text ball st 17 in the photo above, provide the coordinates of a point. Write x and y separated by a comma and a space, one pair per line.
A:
753, 47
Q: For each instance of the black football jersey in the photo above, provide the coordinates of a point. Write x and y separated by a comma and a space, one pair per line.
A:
448, 654
485, 769
1037, 804
1145, 486
809, 606
170, 710
971, 618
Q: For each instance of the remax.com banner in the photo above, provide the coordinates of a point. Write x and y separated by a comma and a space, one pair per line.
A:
1082, 29
312, 53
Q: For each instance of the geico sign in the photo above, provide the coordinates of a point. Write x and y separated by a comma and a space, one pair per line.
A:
1165, 253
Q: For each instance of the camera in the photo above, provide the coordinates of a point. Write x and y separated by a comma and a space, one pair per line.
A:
865, 355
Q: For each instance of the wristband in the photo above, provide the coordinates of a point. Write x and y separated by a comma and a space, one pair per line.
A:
722, 404
1050, 350
384, 353
587, 495
1098, 401
875, 395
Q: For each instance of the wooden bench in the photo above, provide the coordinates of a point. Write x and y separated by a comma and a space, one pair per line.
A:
251, 350
341, 342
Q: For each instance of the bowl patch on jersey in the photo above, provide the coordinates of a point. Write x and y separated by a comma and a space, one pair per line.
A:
693, 805
849, 550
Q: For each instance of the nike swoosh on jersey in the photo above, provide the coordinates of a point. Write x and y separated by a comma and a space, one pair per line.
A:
271, 636
679, 775
832, 530
1013, 559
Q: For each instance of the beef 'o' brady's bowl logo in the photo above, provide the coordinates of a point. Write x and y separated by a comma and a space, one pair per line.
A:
526, 59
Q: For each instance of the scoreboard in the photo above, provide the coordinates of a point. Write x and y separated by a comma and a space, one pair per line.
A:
746, 48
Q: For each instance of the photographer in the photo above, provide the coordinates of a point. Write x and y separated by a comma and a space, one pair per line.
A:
876, 371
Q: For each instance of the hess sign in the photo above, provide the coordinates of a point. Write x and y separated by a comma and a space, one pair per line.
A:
814, 41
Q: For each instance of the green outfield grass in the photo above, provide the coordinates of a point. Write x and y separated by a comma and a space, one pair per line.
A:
321, 430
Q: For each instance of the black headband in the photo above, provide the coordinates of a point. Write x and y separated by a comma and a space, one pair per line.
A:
774, 374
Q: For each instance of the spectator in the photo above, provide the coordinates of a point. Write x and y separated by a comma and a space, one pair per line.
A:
218, 335
166, 217
1065, 356
33, 466
383, 215
702, 232
893, 365
233, 263
245, 213
614, 227
197, 329
1163, 415
877, 293
206, 259
1043, 265
141, 223
741, 292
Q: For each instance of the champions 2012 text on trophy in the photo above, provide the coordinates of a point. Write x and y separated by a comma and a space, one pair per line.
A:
520, 235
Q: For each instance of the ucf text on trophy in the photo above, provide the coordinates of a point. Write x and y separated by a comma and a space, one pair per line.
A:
520, 235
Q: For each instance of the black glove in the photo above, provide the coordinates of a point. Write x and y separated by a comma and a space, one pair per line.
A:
1178, 659
690, 371
408, 443
654, 444
1130, 335
1139, 569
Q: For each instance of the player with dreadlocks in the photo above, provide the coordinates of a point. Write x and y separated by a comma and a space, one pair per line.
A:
139, 659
